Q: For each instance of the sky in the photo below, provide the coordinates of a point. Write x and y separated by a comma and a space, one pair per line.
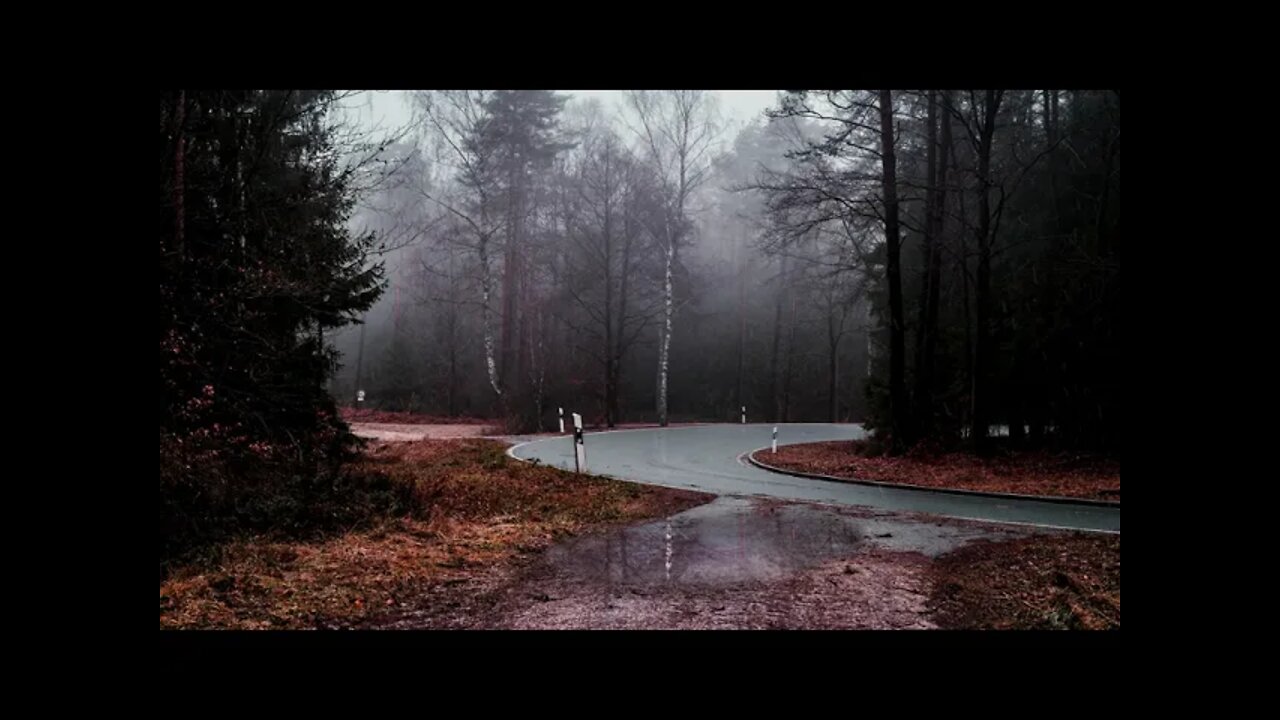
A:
738, 106
388, 108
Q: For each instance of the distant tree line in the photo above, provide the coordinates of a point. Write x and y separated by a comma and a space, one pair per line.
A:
935, 263
615, 266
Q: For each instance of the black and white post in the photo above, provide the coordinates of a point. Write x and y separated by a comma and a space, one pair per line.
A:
579, 449
561, 420
744, 414
775, 439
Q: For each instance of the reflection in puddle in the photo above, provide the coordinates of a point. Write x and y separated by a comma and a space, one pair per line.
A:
669, 551
728, 541
738, 540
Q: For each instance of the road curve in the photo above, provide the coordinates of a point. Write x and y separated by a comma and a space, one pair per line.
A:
709, 458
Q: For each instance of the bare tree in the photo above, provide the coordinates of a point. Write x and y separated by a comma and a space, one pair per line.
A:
893, 244
676, 128
455, 121
982, 350
930, 288
603, 209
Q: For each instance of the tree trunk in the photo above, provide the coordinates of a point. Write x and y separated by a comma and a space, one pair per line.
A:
923, 395
1056, 123
355, 394
742, 324
179, 181
833, 362
1036, 438
935, 258
1050, 132
486, 318
452, 320
510, 293
983, 346
900, 412
1102, 231
537, 362
775, 396
620, 341
1017, 421
962, 251
664, 351
791, 351
453, 380
526, 328
610, 390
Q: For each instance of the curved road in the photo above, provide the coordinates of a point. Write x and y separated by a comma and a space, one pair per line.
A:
709, 458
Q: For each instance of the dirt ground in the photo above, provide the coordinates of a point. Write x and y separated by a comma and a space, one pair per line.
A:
732, 564
391, 432
872, 590
507, 545
1042, 582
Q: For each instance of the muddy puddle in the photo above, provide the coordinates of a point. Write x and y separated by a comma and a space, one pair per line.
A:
738, 540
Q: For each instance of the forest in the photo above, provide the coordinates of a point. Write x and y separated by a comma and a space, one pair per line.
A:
924, 284
940, 264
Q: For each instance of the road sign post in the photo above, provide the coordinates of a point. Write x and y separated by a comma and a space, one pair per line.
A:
579, 448
561, 420
775, 439
744, 414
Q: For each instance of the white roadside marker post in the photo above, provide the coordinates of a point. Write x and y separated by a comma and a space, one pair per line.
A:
744, 414
579, 449
561, 420
775, 439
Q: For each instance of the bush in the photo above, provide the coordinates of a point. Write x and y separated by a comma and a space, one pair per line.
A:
209, 494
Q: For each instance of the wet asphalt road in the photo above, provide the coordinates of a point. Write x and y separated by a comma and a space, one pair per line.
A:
708, 458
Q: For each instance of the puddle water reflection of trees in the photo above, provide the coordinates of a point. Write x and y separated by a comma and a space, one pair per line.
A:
734, 543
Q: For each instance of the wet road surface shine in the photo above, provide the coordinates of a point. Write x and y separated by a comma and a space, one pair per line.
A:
707, 458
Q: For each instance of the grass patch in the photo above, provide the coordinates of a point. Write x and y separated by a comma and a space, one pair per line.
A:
467, 507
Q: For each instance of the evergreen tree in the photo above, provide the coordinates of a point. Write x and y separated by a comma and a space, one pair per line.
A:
256, 263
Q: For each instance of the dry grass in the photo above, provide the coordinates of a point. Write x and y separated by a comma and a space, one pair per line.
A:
473, 508
1027, 473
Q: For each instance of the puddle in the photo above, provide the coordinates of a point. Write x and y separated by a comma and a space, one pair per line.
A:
738, 540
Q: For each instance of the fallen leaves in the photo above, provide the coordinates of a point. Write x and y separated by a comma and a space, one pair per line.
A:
1026, 473
1044, 582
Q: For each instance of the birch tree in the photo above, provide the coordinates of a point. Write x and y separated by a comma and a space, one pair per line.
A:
676, 129
455, 121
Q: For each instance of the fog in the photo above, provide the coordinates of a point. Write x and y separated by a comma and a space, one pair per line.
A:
750, 324
676, 255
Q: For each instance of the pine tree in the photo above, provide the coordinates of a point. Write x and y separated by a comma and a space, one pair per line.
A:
256, 263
